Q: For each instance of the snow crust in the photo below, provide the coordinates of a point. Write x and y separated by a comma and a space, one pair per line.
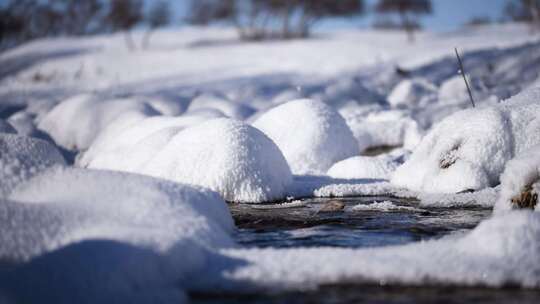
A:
312, 135
469, 149
22, 157
77, 121
364, 167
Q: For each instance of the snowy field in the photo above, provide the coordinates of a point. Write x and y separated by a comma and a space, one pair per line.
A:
118, 169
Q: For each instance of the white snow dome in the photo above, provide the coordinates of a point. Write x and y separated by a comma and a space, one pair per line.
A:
364, 167
224, 155
77, 121
21, 157
469, 149
312, 135
412, 93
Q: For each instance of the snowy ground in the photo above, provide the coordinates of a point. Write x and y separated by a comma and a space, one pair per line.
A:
111, 159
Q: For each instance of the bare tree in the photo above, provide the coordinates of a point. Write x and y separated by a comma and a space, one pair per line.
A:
123, 15
523, 11
158, 16
268, 19
408, 11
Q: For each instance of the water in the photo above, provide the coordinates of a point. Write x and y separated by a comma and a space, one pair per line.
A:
404, 222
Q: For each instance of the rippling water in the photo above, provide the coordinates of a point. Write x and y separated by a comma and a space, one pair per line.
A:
398, 221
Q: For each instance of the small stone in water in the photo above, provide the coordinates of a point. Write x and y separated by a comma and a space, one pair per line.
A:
332, 206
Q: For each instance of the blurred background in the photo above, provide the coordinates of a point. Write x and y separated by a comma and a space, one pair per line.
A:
23, 20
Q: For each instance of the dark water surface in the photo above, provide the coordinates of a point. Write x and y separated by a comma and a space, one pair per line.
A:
403, 222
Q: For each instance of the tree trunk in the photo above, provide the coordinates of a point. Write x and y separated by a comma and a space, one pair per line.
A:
409, 28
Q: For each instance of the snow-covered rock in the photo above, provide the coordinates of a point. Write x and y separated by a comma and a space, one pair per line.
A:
6, 127
453, 90
469, 149
227, 156
21, 157
410, 93
77, 121
221, 103
311, 135
391, 128
521, 177
364, 167
23, 122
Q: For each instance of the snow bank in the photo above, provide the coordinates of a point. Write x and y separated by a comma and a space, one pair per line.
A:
469, 149
500, 251
227, 107
311, 135
22, 157
521, 175
6, 127
75, 226
391, 128
76, 122
364, 167
410, 93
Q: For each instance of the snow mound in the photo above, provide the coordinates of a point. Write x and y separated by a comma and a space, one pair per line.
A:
69, 205
391, 128
77, 121
469, 149
364, 167
453, 91
500, 251
520, 174
120, 145
227, 156
22, 157
311, 135
6, 127
410, 93
217, 102
23, 122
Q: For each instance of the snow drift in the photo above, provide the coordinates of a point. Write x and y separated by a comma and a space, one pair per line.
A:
469, 149
311, 135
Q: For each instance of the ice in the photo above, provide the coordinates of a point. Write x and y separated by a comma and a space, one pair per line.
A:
384, 206
360, 167
411, 93
469, 149
21, 157
87, 115
312, 135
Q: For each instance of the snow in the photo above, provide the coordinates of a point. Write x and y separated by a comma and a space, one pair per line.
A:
360, 167
74, 226
227, 156
392, 128
519, 173
22, 157
87, 115
454, 90
511, 242
469, 149
312, 135
220, 103
411, 93
6, 127
384, 206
